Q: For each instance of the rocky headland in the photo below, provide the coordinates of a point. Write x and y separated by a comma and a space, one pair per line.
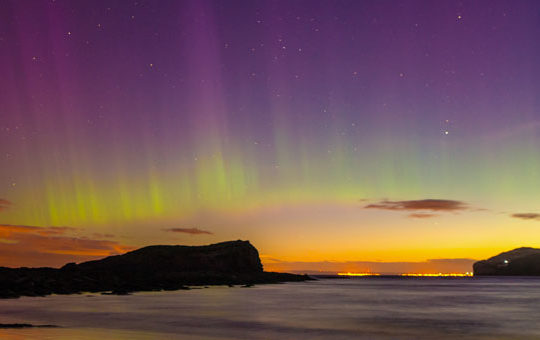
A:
152, 268
518, 262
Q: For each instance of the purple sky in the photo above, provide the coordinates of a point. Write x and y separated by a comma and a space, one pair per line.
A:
274, 121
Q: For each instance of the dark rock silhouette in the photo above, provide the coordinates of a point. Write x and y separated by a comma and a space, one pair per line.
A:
152, 268
24, 325
518, 262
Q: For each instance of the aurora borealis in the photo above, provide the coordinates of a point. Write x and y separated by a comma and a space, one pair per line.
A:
319, 130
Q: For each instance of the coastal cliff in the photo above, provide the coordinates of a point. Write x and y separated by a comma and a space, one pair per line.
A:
518, 262
152, 268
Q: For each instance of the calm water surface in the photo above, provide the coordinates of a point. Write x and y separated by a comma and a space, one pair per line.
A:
356, 308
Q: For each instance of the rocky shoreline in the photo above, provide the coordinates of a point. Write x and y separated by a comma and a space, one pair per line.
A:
153, 268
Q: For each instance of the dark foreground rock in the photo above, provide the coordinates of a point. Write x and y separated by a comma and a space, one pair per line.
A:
152, 268
24, 325
517, 262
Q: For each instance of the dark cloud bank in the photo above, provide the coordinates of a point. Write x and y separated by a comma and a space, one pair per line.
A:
426, 204
527, 216
192, 231
32, 246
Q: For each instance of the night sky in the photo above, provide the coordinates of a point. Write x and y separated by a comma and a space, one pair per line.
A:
396, 131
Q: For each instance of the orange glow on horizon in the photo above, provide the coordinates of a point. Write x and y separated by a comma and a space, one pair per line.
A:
358, 274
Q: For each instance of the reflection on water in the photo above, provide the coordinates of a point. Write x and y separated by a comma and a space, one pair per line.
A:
361, 308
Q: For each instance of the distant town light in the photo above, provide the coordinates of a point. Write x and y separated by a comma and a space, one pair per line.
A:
439, 274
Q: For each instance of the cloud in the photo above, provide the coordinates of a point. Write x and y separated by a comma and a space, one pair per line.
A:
426, 204
421, 215
527, 216
192, 231
458, 265
32, 246
4, 204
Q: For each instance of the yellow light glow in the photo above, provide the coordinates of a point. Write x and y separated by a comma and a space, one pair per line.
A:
467, 274
358, 274
439, 274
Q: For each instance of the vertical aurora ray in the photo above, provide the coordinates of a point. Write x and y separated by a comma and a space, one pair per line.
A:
271, 121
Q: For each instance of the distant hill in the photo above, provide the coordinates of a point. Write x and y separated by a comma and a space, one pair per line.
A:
150, 268
521, 261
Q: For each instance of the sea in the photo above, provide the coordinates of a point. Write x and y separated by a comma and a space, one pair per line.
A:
351, 308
